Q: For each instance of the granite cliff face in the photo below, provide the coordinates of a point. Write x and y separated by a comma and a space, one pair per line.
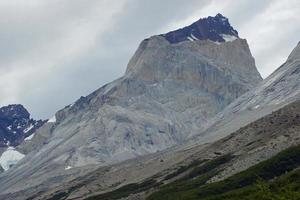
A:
169, 91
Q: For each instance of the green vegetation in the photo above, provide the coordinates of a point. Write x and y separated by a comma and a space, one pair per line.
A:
274, 179
187, 185
253, 183
286, 187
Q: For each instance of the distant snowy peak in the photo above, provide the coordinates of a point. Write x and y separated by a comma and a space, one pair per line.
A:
217, 29
16, 125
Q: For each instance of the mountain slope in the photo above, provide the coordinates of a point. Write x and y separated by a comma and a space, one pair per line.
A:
242, 185
214, 162
270, 131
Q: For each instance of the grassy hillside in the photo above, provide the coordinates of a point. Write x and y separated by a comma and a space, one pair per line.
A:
275, 179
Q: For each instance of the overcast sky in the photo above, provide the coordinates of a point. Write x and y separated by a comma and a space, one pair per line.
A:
54, 51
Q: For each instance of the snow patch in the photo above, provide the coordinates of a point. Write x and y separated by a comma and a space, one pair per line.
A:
52, 119
192, 38
28, 128
228, 38
257, 106
29, 137
189, 38
68, 167
10, 157
195, 38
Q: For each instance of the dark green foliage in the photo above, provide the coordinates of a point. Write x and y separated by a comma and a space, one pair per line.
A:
283, 162
287, 187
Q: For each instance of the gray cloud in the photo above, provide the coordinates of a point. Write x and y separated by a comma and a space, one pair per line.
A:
53, 52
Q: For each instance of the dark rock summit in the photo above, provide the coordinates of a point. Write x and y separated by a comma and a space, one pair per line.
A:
217, 29
16, 124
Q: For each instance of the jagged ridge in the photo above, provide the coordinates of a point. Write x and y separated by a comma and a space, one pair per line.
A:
16, 124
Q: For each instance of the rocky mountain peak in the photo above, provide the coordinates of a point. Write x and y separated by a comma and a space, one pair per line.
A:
217, 29
180, 55
16, 124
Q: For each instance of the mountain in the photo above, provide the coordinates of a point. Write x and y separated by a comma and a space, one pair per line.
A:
230, 162
168, 91
171, 89
16, 125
